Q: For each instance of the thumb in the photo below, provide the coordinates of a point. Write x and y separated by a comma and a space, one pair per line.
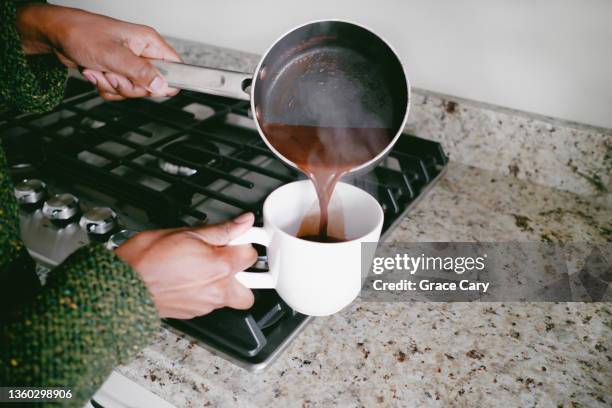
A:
121, 60
222, 234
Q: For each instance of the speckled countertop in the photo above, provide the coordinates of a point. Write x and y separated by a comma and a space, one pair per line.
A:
441, 354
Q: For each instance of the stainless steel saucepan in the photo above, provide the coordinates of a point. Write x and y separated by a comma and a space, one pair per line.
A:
323, 73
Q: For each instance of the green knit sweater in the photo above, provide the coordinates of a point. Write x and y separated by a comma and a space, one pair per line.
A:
94, 312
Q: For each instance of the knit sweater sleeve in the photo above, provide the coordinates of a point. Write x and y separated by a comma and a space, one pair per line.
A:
94, 313
28, 83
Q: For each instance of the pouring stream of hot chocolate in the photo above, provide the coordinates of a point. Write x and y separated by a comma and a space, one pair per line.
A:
325, 154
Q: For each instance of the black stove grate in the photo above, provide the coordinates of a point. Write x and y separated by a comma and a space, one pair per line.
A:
181, 157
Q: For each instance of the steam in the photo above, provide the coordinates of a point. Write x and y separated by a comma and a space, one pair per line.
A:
334, 115
340, 92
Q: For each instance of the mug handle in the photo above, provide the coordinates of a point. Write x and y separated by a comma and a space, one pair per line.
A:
255, 280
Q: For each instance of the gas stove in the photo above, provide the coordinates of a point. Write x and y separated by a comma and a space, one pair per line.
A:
97, 171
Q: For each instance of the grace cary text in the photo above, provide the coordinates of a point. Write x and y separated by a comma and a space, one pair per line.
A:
426, 285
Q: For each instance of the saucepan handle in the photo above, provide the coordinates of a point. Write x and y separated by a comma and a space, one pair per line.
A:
255, 280
213, 81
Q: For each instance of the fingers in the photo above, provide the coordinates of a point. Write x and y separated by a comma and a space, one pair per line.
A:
123, 68
111, 97
156, 47
205, 300
102, 83
227, 291
121, 60
125, 87
239, 297
114, 87
239, 257
98, 79
191, 271
172, 92
212, 286
222, 234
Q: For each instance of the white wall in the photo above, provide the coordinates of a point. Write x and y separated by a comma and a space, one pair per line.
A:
552, 57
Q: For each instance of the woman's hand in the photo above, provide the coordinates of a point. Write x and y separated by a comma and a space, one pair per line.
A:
111, 53
190, 271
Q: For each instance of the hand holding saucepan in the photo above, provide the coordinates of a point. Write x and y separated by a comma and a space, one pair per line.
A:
112, 54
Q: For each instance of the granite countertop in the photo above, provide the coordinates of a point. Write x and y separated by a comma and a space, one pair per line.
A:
439, 354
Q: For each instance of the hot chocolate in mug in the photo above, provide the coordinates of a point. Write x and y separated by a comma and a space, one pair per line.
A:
314, 278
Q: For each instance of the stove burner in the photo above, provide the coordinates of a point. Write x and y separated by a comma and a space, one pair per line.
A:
99, 221
197, 152
61, 208
118, 238
261, 263
175, 169
30, 193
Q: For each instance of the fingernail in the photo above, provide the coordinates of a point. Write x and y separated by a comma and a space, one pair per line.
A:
113, 81
246, 217
156, 84
90, 77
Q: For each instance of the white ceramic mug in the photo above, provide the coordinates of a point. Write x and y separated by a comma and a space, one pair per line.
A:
313, 278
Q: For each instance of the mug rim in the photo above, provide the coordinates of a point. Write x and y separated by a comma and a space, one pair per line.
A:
267, 221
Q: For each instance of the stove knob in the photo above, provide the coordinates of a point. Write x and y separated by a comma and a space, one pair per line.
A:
30, 192
261, 263
99, 221
117, 239
61, 207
